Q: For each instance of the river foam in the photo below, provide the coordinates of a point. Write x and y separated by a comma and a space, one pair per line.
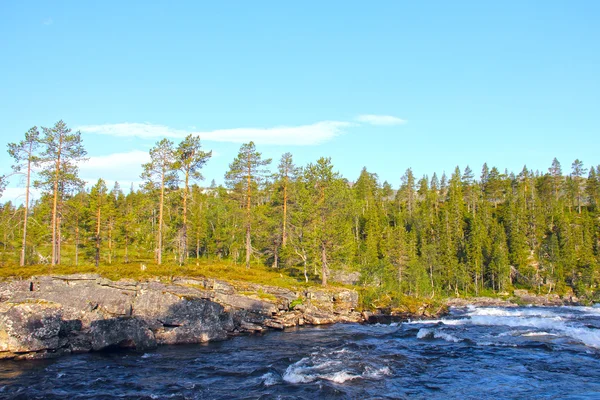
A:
338, 366
540, 322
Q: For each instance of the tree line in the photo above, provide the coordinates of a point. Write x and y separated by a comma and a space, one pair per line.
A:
438, 235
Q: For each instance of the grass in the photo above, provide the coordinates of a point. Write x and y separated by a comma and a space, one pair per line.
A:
222, 270
260, 294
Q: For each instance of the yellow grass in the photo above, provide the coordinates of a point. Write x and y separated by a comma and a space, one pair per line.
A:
223, 270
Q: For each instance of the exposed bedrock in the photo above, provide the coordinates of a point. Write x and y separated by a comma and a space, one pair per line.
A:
48, 316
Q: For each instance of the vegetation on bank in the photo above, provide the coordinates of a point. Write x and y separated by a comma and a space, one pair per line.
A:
430, 237
224, 270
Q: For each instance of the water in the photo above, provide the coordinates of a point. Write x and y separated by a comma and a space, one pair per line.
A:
518, 353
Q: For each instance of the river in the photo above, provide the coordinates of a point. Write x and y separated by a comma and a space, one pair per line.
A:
473, 353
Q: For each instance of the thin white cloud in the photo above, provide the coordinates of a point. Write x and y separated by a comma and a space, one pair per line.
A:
303, 135
387, 120
121, 167
48, 21
144, 131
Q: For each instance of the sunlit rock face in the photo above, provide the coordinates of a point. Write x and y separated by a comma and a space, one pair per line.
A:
54, 315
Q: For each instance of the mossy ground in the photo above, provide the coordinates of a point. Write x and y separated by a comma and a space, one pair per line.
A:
223, 270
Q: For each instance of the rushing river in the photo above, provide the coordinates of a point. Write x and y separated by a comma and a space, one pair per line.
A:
474, 353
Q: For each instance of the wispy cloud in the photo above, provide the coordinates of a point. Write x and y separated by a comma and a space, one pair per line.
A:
303, 135
140, 130
122, 167
373, 119
48, 21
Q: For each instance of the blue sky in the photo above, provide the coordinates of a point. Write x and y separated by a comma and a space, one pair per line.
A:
387, 85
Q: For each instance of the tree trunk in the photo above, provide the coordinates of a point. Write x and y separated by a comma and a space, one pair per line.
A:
248, 245
55, 208
110, 242
59, 238
198, 247
324, 268
476, 283
77, 243
22, 261
183, 256
98, 216
248, 215
285, 200
160, 219
126, 255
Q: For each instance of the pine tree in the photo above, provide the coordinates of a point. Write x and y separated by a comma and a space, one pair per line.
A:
287, 175
407, 192
189, 160
25, 155
592, 189
62, 151
159, 172
578, 171
556, 175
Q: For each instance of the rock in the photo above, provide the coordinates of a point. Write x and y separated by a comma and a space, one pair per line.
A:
322, 296
541, 300
49, 316
319, 318
353, 317
29, 327
286, 320
183, 317
246, 303
78, 295
249, 327
131, 333
345, 300
271, 323
346, 278
479, 301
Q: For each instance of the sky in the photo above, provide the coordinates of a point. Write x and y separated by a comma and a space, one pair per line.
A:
386, 85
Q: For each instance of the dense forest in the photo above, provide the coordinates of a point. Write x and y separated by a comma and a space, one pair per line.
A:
440, 235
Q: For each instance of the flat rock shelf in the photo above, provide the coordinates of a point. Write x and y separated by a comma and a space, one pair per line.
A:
49, 316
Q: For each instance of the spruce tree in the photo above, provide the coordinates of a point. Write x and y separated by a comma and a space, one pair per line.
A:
98, 202
246, 173
578, 171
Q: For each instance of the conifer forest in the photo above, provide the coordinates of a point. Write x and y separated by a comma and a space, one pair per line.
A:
477, 230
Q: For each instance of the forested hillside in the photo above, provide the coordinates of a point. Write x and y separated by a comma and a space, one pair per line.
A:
462, 233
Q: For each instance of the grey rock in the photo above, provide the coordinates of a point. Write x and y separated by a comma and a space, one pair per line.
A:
346, 278
130, 333
246, 303
29, 327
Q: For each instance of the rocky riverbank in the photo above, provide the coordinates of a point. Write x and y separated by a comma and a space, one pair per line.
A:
49, 316
518, 298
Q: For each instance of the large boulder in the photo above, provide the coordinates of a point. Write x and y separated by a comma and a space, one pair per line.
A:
131, 333
181, 315
30, 326
85, 297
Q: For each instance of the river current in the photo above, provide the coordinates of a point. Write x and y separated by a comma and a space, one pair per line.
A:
473, 353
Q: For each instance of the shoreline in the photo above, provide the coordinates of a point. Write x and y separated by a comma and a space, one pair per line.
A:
50, 316
54, 315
